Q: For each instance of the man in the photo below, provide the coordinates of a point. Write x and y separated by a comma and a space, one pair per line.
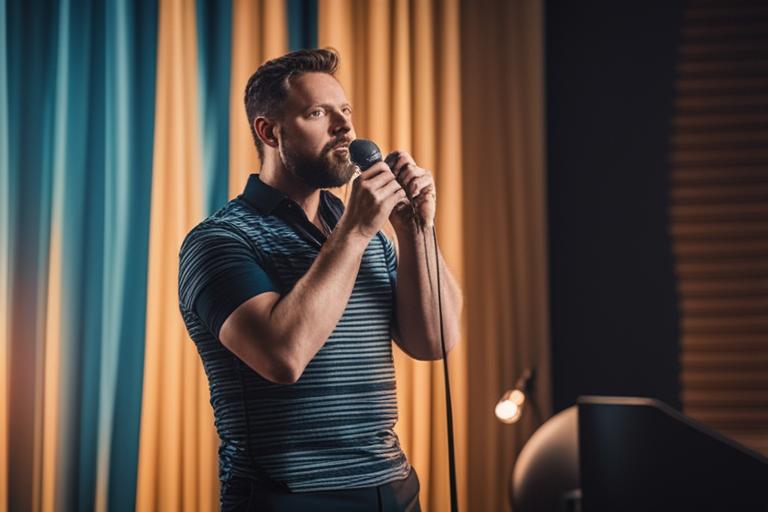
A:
293, 299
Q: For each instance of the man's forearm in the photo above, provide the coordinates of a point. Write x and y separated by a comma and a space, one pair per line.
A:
418, 328
303, 319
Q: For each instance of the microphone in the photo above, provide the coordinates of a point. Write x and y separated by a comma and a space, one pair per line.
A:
364, 153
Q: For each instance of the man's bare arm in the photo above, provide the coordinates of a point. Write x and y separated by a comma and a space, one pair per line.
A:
417, 329
418, 323
277, 336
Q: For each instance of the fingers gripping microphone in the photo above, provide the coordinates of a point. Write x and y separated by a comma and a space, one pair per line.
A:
365, 153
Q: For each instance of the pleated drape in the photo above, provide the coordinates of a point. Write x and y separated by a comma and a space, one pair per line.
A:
400, 70
504, 191
177, 468
5, 263
214, 36
28, 141
77, 82
259, 33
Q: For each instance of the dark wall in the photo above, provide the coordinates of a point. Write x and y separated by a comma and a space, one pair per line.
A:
610, 70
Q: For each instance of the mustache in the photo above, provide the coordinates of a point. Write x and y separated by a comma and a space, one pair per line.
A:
345, 141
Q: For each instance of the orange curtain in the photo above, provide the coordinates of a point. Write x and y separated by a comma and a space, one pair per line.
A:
177, 452
399, 66
52, 423
259, 33
504, 191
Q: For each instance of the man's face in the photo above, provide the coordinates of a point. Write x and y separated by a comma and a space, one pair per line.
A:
315, 130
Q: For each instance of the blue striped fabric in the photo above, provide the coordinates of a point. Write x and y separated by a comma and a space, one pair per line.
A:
333, 429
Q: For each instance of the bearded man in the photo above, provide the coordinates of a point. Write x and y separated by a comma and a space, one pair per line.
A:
292, 300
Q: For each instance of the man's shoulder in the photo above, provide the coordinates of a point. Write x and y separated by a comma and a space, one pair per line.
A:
236, 220
226, 222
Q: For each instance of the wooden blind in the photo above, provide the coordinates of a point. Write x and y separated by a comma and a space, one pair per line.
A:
719, 215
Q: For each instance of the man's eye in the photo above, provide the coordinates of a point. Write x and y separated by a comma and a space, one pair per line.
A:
347, 111
316, 113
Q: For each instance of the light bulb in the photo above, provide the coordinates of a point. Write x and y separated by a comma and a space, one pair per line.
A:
510, 406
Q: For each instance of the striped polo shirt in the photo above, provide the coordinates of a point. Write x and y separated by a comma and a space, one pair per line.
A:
334, 427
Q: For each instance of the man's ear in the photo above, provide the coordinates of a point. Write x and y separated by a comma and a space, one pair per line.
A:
266, 130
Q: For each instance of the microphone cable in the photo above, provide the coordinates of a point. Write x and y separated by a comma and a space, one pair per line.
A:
446, 378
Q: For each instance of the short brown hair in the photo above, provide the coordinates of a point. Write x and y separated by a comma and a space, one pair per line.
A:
268, 86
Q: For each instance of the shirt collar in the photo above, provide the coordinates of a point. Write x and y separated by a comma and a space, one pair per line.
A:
261, 196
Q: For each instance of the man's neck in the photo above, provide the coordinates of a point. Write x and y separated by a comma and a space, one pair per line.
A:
306, 197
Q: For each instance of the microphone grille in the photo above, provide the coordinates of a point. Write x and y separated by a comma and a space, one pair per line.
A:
364, 153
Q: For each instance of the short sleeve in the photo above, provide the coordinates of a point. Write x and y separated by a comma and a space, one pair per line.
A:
390, 257
219, 271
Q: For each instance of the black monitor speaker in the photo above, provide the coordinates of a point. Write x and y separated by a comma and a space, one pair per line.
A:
635, 454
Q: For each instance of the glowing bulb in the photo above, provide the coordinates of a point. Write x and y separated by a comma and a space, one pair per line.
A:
507, 412
510, 406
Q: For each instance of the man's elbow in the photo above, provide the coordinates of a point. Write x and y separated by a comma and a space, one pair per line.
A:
437, 352
277, 366
432, 349
282, 372
284, 378
434, 355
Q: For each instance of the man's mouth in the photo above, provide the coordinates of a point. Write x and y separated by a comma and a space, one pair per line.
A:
341, 148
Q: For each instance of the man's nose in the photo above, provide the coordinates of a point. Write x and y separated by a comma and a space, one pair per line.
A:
340, 123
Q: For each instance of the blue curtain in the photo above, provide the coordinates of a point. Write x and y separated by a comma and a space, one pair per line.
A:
302, 24
130, 94
80, 109
214, 43
29, 47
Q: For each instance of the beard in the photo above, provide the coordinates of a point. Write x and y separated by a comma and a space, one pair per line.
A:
325, 170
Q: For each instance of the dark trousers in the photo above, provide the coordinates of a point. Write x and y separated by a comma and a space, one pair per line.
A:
243, 495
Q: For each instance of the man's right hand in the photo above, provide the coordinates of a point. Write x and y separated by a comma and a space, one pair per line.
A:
374, 194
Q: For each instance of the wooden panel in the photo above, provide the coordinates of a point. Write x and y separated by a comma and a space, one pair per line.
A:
719, 215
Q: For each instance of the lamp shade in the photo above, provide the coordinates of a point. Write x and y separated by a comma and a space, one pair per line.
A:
546, 474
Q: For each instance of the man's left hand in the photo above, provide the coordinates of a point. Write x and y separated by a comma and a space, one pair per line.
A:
420, 188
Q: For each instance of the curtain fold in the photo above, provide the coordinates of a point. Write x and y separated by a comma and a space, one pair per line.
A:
302, 24
504, 189
69, 418
5, 263
259, 33
30, 49
178, 441
399, 68
130, 62
74, 228
214, 41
